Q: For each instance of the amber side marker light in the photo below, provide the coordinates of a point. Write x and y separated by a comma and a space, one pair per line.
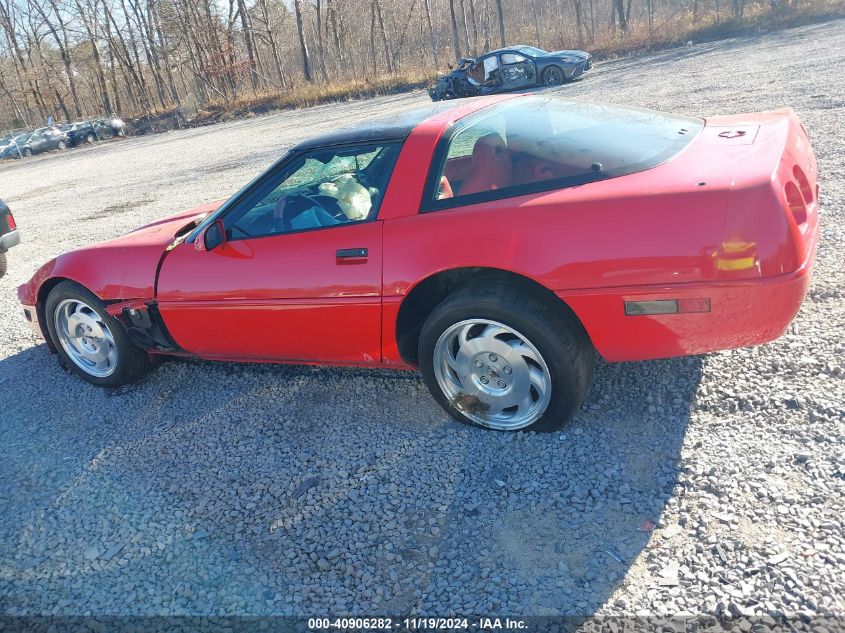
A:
666, 306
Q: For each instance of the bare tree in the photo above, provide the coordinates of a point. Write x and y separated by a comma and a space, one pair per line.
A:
501, 17
303, 46
456, 40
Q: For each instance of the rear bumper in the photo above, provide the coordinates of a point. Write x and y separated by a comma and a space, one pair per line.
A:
743, 314
8, 240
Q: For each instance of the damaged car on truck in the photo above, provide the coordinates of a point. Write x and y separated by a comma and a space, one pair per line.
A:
498, 244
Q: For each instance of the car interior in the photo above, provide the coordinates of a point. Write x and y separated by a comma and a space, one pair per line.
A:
324, 189
517, 157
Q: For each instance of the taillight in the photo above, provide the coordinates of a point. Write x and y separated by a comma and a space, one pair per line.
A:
11, 221
795, 202
803, 184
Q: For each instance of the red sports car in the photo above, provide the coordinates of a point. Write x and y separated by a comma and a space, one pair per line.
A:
495, 243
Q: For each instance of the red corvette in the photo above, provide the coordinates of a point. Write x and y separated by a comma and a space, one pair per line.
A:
495, 243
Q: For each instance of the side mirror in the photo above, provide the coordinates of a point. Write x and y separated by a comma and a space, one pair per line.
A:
211, 236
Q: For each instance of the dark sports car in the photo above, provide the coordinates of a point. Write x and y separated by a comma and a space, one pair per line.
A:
510, 69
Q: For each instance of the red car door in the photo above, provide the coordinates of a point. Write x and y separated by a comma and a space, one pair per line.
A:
287, 297
308, 294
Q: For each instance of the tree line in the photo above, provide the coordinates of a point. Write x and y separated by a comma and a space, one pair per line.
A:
68, 59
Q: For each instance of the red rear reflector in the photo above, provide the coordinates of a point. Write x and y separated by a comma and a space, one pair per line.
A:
693, 305
11, 220
803, 184
795, 202
666, 306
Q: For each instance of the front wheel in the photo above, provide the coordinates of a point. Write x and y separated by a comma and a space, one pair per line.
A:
505, 358
553, 76
27, 152
90, 138
62, 145
89, 341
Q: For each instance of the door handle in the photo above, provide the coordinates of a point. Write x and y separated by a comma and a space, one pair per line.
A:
351, 253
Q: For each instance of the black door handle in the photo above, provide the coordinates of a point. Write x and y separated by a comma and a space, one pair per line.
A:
351, 253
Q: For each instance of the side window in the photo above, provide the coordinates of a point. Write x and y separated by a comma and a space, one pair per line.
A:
512, 58
539, 144
476, 159
321, 188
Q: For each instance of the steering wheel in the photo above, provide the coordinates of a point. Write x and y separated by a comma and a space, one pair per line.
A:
290, 206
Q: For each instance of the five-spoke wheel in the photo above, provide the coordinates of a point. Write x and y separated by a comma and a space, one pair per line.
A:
496, 368
89, 341
85, 338
505, 356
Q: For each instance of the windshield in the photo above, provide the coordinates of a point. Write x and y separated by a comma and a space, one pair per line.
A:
530, 50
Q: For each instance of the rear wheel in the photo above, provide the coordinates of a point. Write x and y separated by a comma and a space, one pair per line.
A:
505, 358
553, 76
89, 341
62, 145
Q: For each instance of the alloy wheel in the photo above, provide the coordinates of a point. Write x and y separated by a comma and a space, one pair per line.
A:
492, 374
552, 77
85, 338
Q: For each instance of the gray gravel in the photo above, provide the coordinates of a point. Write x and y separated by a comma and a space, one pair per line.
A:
220, 488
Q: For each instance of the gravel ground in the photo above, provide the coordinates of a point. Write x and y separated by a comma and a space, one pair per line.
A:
220, 488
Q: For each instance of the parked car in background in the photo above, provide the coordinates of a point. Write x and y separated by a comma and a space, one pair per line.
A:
5, 142
511, 68
43, 140
87, 132
497, 244
9, 235
14, 147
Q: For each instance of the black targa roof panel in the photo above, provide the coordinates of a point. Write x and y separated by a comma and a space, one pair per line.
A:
393, 128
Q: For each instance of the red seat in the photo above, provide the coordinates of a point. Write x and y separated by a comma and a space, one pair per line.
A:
445, 188
491, 166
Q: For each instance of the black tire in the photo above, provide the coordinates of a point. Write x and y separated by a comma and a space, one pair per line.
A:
90, 138
27, 152
3, 264
62, 145
553, 76
132, 363
560, 339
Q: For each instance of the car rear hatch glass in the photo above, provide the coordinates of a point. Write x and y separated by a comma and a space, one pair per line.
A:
550, 143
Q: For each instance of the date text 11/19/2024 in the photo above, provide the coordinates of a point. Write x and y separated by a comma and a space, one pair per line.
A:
434, 624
